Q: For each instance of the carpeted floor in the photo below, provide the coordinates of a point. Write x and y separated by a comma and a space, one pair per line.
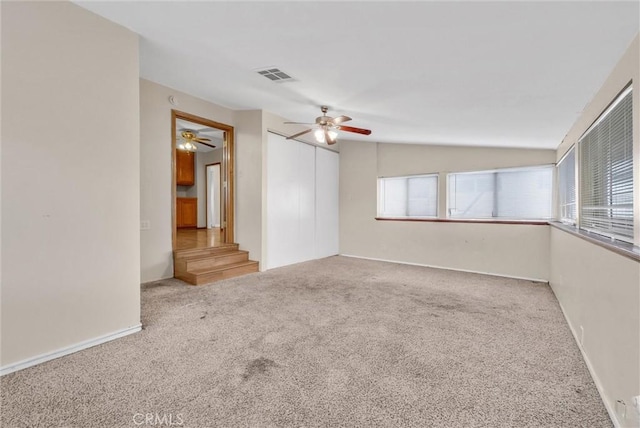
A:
333, 342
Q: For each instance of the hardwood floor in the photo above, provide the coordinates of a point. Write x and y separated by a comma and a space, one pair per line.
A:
198, 238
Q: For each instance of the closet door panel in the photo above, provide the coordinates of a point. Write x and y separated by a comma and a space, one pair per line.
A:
301, 202
307, 202
327, 203
282, 202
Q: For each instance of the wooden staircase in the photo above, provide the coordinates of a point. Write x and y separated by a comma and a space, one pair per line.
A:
204, 265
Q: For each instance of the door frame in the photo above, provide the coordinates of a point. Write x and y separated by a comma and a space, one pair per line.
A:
227, 173
206, 192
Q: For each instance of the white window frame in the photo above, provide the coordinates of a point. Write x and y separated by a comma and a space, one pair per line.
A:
498, 170
380, 197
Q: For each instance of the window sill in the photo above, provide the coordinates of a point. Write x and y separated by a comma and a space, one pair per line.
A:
457, 220
618, 247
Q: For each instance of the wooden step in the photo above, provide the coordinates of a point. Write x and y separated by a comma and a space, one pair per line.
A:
204, 252
207, 275
211, 261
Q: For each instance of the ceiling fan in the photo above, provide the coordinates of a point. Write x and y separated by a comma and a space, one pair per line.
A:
190, 137
327, 127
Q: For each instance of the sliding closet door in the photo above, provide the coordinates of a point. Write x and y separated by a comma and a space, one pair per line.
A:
290, 202
307, 202
327, 177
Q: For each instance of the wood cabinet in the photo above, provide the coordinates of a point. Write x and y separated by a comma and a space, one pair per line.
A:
185, 168
187, 212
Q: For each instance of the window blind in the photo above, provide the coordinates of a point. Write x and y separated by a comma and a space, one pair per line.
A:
412, 196
567, 188
516, 193
606, 172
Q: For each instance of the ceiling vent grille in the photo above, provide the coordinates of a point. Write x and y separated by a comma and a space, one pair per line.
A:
275, 74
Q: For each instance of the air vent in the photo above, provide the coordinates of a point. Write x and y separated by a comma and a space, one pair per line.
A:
275, 74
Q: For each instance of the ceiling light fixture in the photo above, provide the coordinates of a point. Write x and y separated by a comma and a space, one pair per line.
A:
190, 138
188, 146
319, 134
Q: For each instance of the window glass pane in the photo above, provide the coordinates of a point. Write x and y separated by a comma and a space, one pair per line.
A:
567, 188
394, 197
414, 196
471, 195
606, 172
422, 194
518, 193
525, 194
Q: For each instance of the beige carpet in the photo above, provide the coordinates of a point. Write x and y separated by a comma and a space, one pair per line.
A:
333, 342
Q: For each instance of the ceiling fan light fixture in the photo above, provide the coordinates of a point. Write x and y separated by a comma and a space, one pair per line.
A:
326, 128
319, 134
320, 137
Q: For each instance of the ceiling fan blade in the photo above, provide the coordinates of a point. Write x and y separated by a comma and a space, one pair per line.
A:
298, 123
299, 134
207, 144
340, 119
356, 130
327, 138
200, 140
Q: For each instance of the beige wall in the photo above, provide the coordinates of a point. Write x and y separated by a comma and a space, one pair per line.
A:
489, 248
598, 289
599, 292
249, 182
70, 179
155, 170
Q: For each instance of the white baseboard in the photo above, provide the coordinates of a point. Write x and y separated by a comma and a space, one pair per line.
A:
592, 372
10, 368
446, 268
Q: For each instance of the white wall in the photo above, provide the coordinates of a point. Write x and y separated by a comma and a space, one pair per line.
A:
489, 248
598, 289
155, 170
70, 179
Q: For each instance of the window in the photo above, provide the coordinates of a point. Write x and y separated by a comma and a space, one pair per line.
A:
515, 193
413, 196
567, 188
606, 172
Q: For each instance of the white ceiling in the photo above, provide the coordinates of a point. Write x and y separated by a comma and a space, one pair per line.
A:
512, 74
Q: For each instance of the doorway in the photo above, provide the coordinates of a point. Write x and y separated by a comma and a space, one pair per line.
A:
196, 145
